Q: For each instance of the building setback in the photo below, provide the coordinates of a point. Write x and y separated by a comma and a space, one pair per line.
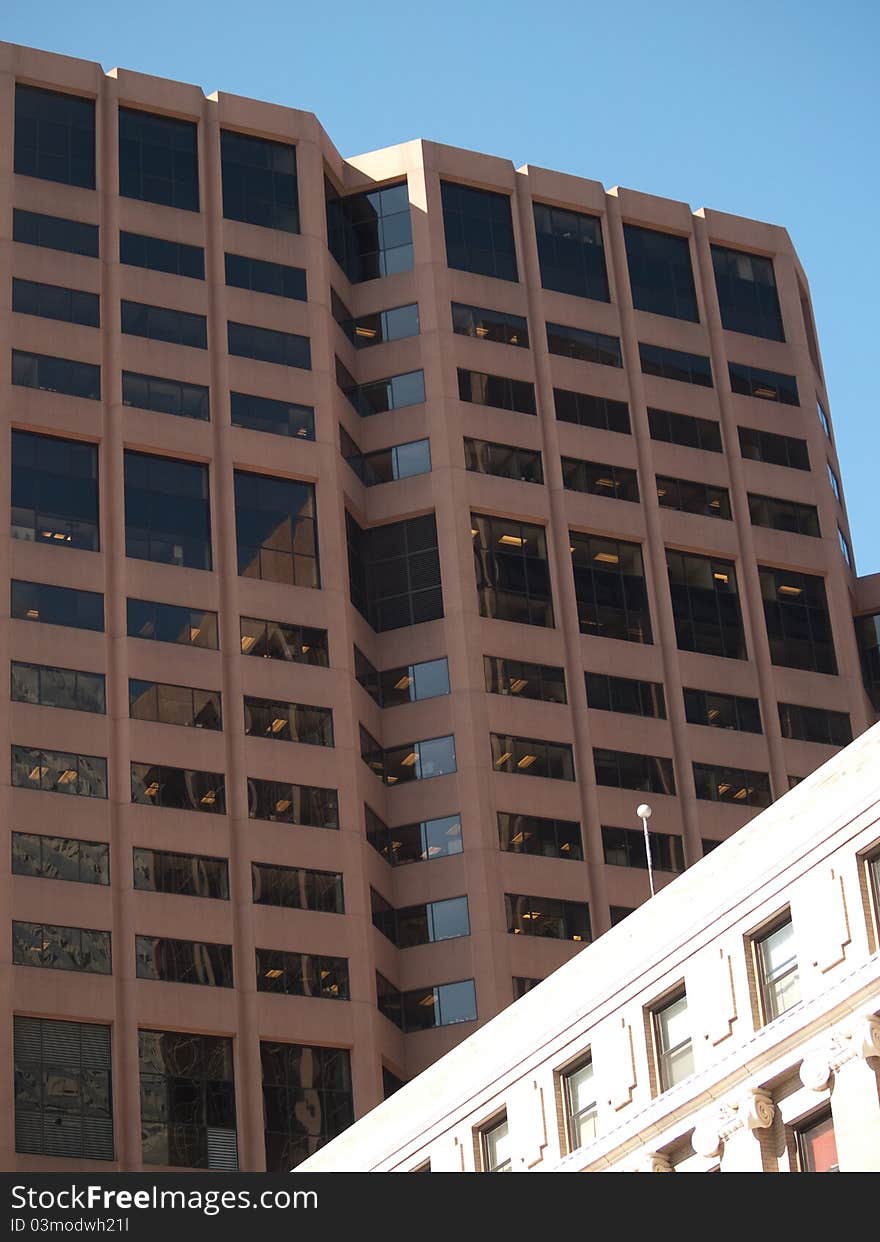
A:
382, 532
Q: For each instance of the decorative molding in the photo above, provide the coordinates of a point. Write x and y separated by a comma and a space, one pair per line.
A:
706, 1139
864, 1035
653, 1162
757, 1109
815, 1072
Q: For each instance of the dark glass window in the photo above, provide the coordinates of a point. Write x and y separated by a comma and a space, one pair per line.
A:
54, 136
685, 430
507, 461
722, 711
599, 479
395, 324
497, 391
692, 496
166, 396
419, 842
158, 159
171, 623
54, 491
302, 974
61, 375
297, 888
161, 323
424, 1008
705, 605
523, 984
798, 624
259, 181
823, 418
625, 694
63, 1089
307, 1100
184, 875
747, 293
833, 480
262, 277
60, 858
159, 255
29, 297
768, 385
394, 392
660, 275
280, 418
544, 682
184, 961
709, 845
490, 325
583, 345
817, 1145
370, 235
167, 511
394, 572
530, 756
589, 411
285, 349
774, 449
721, 784
533, 834
177, 705
59, 771
276, 529
479, 231
390, 1084
672, 364
673, 1043
187, 1087
283, 803
55, 233
623, 769
547, 916
288, 722
49, 686
54, 605
570, 252
51, 947
789, 515
619, 913
868, 639
815, 724
182, 789
408, 683
281, 640
421, 924
609, 583
401, 461
625, 847
413, 761
512, 571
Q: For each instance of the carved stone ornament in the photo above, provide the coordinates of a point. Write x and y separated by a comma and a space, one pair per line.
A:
865, 1036
815, 1072
653, 1162
706, 1139
757, 1109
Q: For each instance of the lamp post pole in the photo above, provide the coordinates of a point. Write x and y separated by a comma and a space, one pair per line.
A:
644, 813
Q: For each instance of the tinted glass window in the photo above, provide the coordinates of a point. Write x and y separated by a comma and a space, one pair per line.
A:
768, 385
62, 375
774, 449
798, 624
185, 875
391, 393
747, 293
815, 724
158, 159
187, 1093
54, 491
56, 302
528, 756
285, 349
512, 570
166, 396
161, 323
496, 390
420, 842
533, 834
276, 529
370, 235
625, 694
660, 275
170, 623
184, 961
262, 277
544, 682
739, 785
307, 1100
167, 511
504, 460
490, 325
570, 252
674, 365
282, 640
160, 255
479, 231
692, 496
282, 803
599, 479
259, 181
583, 345
55, 136
722, 711
589, 411
177, 705
705, 605
623, 769
609, 584
547, 916
49, 686
394, 572
54, 605
788, 515
280, 418
181, 788
55, 233
60, 858
685, 430
58, 771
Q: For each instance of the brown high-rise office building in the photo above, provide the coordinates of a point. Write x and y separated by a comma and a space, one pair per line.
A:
381, 533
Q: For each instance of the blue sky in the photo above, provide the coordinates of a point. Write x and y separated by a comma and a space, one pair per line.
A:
763, 108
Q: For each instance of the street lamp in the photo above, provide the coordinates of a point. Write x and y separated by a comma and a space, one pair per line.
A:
644, 813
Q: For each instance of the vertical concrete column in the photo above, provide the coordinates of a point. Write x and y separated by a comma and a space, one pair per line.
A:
126, 1070
248, 1073
745, 1133
654, 549
559, 555
7, 1135
855, 1100
751, 601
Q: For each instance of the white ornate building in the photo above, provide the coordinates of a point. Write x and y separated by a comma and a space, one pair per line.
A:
730, 1024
